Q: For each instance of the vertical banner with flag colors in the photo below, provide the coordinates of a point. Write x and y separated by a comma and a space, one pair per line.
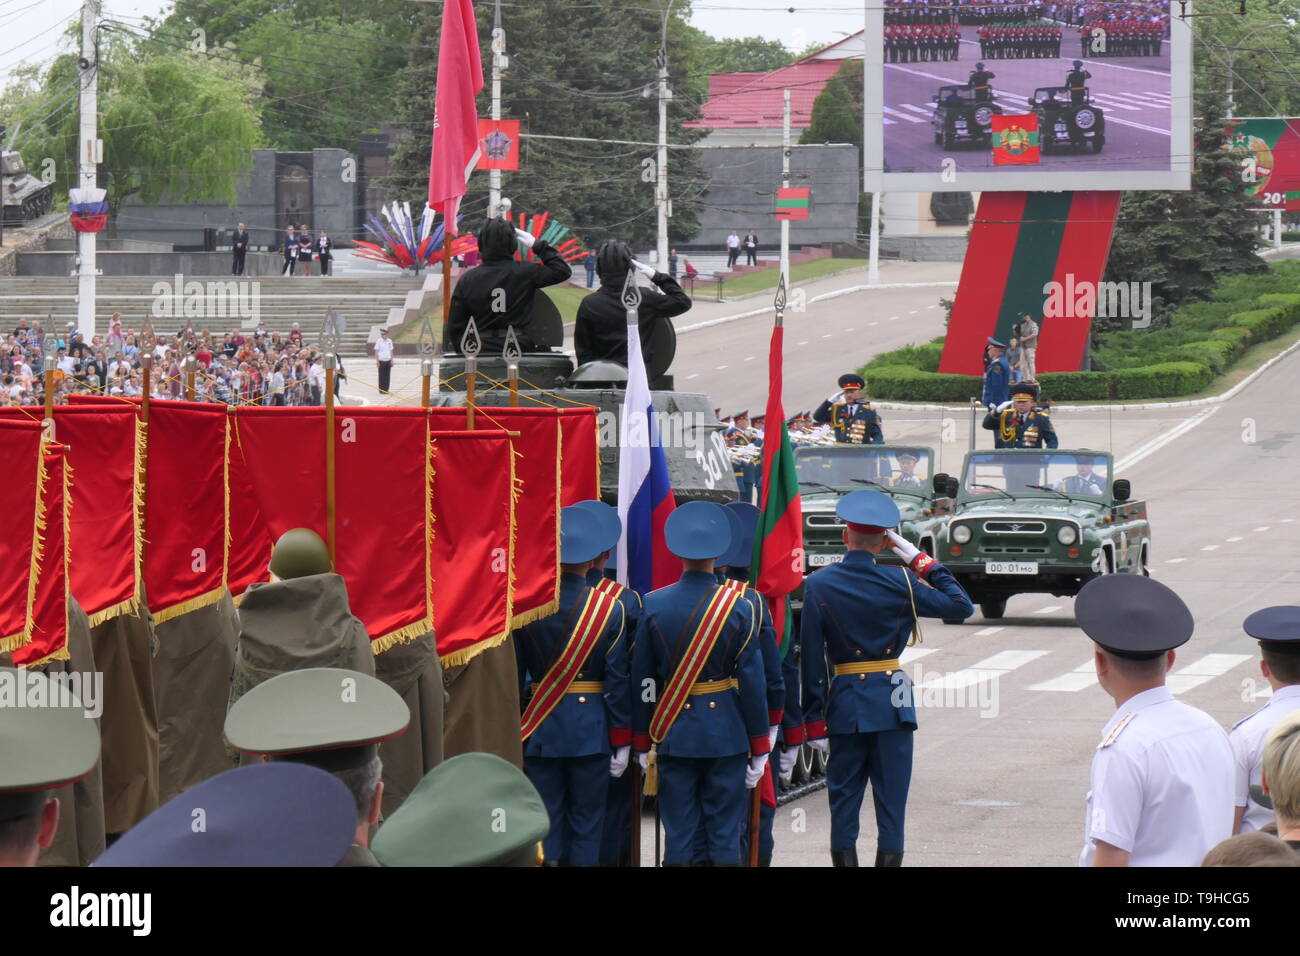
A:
1015, 139
455, 149
777, 566
645, 494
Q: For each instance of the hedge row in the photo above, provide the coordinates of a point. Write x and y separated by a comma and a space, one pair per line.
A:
1205, 339
898, 383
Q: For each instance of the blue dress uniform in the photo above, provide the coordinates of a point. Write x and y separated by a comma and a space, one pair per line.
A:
997, 378
857, 615
702, 759
853, 422
568, 757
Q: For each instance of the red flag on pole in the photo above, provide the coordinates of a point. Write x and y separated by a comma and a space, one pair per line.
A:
455, 121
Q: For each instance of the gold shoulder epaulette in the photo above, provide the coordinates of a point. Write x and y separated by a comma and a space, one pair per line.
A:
1118, 729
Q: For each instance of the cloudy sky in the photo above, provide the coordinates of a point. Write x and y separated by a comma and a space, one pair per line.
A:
33, 30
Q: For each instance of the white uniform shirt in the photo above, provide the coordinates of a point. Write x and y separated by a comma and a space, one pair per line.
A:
384, 349
1161, 783
1247, 740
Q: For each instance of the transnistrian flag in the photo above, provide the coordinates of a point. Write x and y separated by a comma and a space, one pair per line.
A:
792, 202
1015, 139
645, 494
455, 148
777, 565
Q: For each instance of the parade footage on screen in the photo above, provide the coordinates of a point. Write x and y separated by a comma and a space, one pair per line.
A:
974, 95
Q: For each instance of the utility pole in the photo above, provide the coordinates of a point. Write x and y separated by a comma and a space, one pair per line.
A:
499, 64
87, 164
873, 262
661, 164
785, 182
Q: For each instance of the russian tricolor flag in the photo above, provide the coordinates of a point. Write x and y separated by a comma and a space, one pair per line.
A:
645, 495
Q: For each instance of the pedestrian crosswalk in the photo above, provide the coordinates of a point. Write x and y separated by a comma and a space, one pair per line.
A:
1079, 677
1125, 102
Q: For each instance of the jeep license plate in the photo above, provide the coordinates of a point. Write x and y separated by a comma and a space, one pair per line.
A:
1011, 567
821, 560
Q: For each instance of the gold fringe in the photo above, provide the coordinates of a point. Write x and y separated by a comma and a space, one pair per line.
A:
225, 500
559, 504
401, 636
193, 604
466, 654
62, 654
536, 614
129, 606
11, 643
67, 555
137, 501
238, 599
650, 780
429, 475
38, 546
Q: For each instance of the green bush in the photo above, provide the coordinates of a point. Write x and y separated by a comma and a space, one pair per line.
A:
1264, 324
1165, 380
1217, 354
899, 383
1075, 386
896, 383
924, 357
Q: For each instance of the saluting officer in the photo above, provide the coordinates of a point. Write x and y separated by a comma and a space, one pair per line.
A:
1278, 631
979, 82
857, 617
706, 723
616, 832
331, 718
852, 419
1018, 424
576, 728
1162, 775
1077, 82
734, 570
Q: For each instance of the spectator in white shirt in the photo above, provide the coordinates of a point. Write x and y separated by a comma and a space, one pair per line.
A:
384, 359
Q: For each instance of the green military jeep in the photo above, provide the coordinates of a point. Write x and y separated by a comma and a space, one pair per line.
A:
1046, 521
905, 472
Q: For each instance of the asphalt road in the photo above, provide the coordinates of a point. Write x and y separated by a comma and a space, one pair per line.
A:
1132, 92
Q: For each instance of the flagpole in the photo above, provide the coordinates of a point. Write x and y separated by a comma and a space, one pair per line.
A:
426, 348
470, 346
329, 345
512, 354
785, 182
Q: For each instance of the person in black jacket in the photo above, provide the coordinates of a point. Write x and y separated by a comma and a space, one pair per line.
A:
498, 294
240, 247
601, 330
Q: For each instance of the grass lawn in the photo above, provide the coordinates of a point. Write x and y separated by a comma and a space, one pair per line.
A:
799, 272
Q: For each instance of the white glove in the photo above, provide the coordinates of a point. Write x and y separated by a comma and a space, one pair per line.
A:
771, 736
644, 269
526, 238
644, 760
754, 773
902, 547
789, 757
833, 398
618, 760
821, 745
1005, 405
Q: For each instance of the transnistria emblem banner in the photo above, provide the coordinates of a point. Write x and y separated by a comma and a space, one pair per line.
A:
1015, 139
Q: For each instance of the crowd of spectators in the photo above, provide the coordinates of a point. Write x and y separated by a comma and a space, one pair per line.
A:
235, 367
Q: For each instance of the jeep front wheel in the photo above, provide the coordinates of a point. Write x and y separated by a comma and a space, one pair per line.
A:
993, 608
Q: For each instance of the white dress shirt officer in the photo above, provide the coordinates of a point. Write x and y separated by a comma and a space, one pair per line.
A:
1278, 631
1162, 774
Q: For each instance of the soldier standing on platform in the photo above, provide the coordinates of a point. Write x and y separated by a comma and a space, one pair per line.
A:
1077, 82
997, 376
576, 727
979, 82
857, 617
705, 723
852, 419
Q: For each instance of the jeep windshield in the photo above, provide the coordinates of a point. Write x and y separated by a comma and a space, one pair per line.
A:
1070, 473
1046, 94
837, 467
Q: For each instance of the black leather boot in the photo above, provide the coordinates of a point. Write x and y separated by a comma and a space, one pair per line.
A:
844, 857
889, 858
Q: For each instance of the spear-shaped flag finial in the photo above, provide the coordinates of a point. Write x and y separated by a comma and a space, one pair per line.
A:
148, 338
779, 302
425, 343
512, 352
470, 343
329, 333
631, 295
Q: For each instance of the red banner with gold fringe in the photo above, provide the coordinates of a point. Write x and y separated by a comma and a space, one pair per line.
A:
580, 451
20, 450
184, 528
100, 438
47, 600
537, 502
472, 546
250, 535
381, 496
